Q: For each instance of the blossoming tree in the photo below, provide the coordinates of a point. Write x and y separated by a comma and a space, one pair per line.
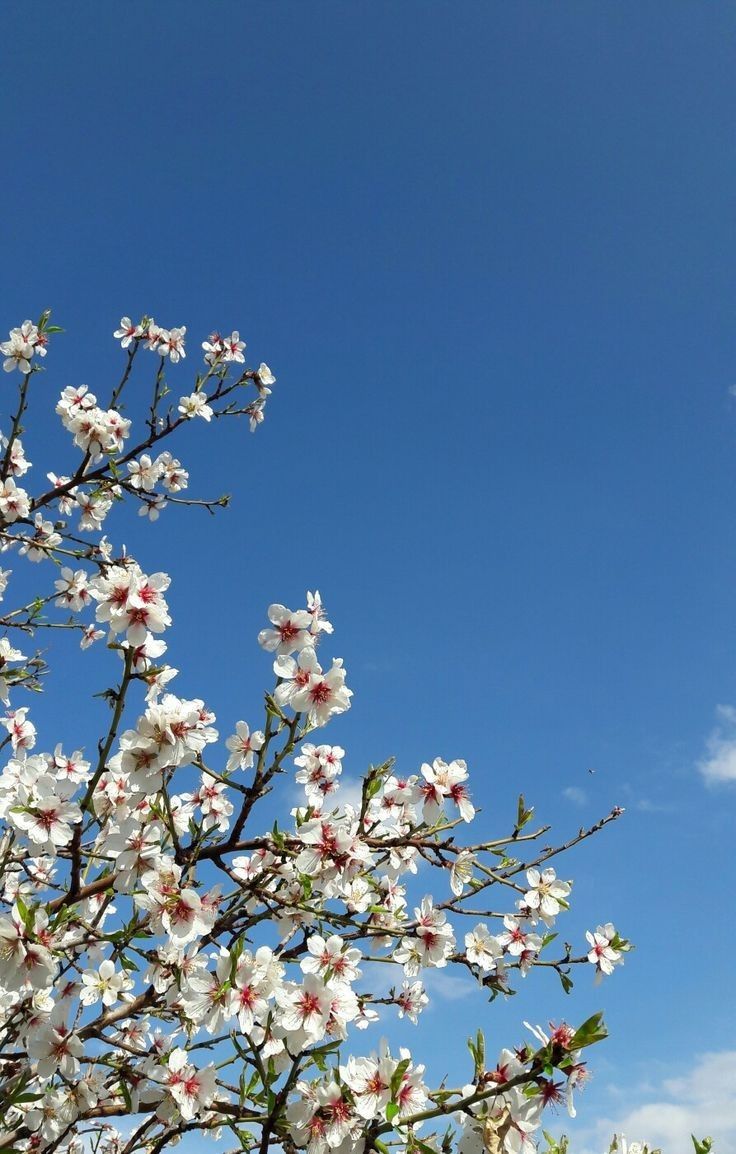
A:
168, 965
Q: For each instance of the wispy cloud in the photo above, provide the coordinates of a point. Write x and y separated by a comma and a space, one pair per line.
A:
646, 805
385, 665
700, 1101
350, 792
719, 764
440, 986
575, 794
443, 986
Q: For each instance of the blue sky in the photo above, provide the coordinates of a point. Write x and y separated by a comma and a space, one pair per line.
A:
488, 251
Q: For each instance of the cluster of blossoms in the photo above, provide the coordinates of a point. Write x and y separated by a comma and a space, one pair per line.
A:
110, 470
165, 961
219, 353
303, 685
23, 343
166, 342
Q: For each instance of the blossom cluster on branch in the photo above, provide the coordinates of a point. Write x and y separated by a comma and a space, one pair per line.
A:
168, 965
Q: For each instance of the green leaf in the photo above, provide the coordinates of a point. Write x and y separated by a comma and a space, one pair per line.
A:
592, 1030
273, 709
391, 1111
417, 1144
23, 910
523, 815
374, 787
703, 1146
398, 1076
126, 1095
567, 982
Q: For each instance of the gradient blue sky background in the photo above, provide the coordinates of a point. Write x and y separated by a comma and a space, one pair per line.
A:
489, 252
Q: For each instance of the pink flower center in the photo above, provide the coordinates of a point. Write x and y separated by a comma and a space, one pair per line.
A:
320, 692
288, 631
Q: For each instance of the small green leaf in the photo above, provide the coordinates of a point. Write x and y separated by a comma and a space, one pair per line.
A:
398, 1076
566, 980
702, 1146
523, 815
591, 1031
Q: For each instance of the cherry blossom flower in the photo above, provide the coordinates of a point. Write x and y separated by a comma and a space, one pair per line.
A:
43, 540
152, 335
145, 473
173, 477
192, 1089
14, 501
602, 953
546, 894
171, 343
256, 413
330, 958
55, 1048
517, 939
461, 871
233, 348
411, 1000
265, 379
318, 613
324, 694
47, 819
22, 732
90, 635
20, 348
106, 983
291, 631
127, 332
213, 348
482, 949
243, 746
18, 463
72, 589
195, 405
321, 766
305, 1007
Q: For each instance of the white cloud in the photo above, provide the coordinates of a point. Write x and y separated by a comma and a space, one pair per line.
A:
441, 985
576, 795
349, 793
646, 805
719, 764
699, 1101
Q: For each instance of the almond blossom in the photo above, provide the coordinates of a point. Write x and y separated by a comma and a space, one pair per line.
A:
177, 958
546, 894
243, 746
603, 953
105, 983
